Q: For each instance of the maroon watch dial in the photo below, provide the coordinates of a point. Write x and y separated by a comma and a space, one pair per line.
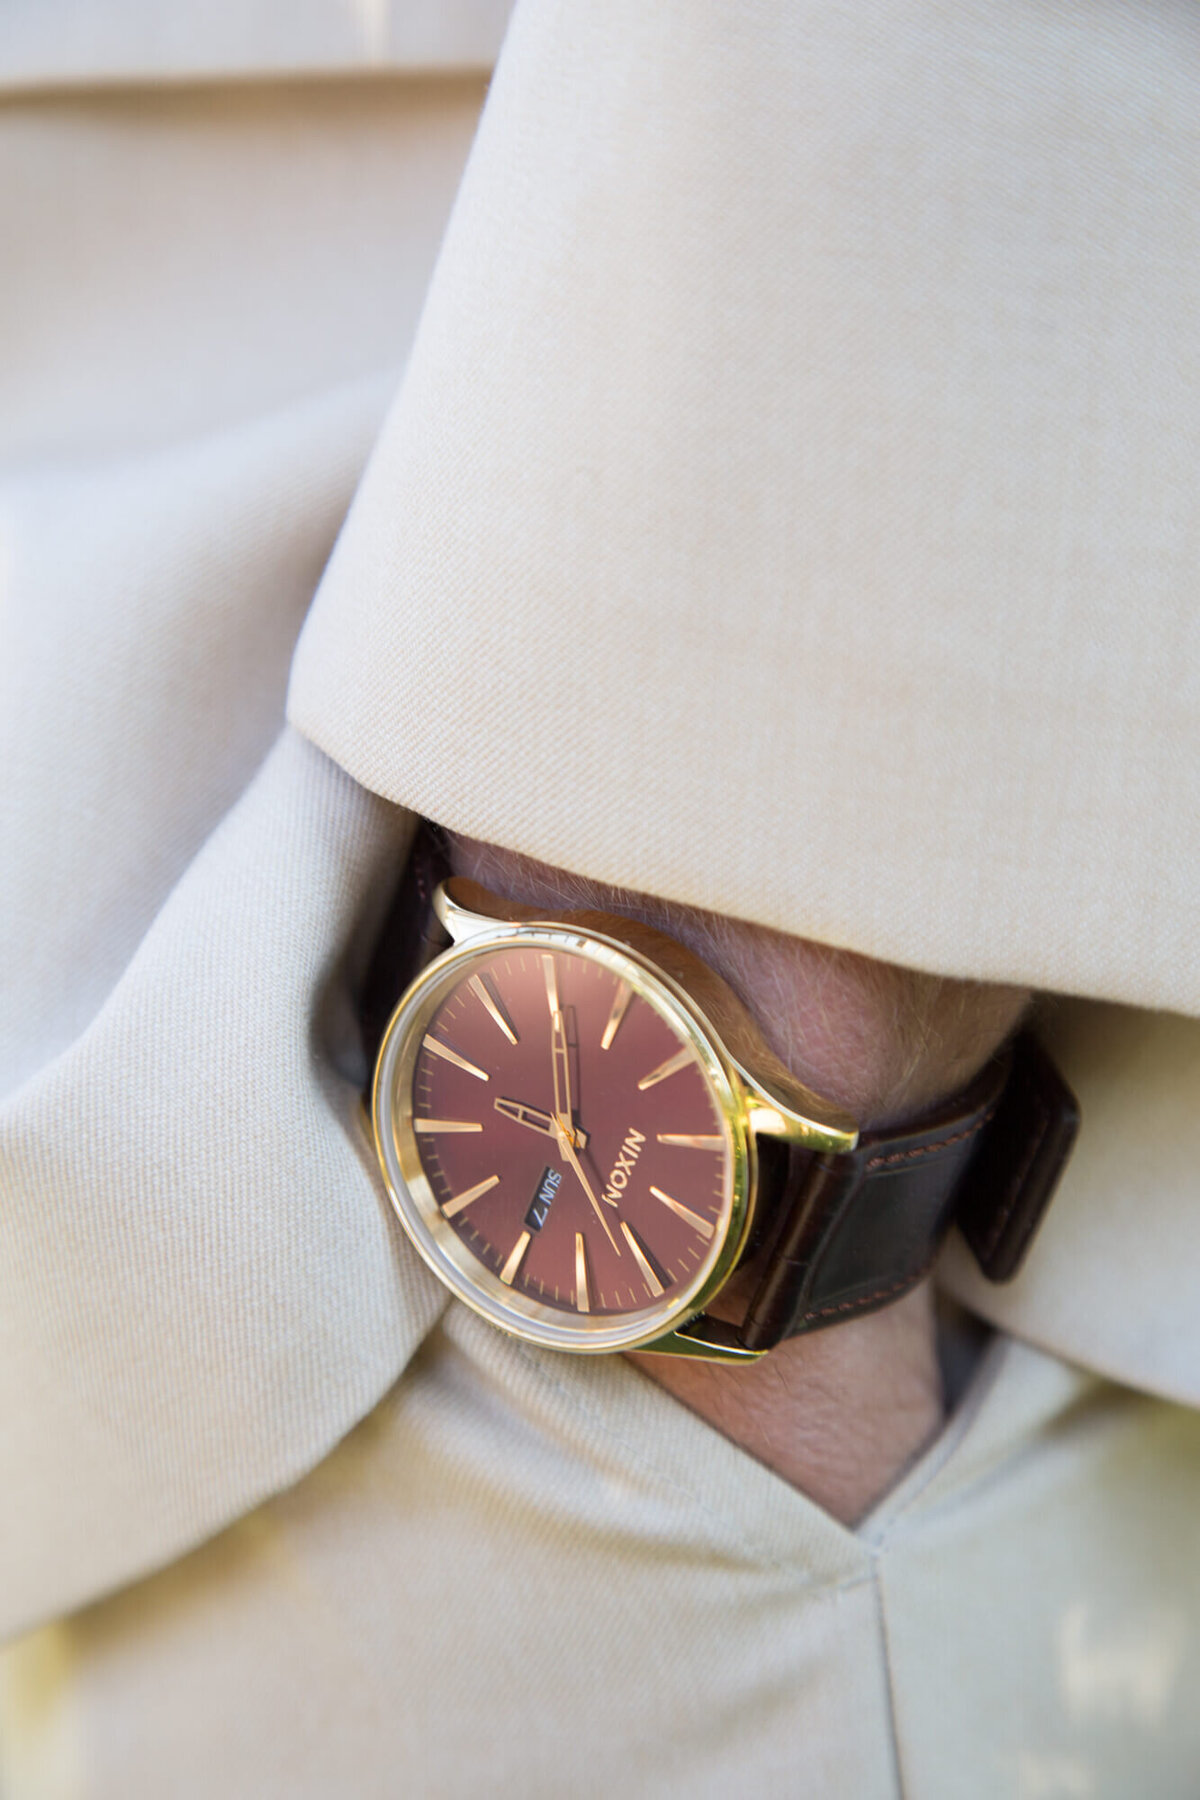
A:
568, 1132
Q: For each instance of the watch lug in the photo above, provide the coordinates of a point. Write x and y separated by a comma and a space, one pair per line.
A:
797, 1115
458, 920
711, 1340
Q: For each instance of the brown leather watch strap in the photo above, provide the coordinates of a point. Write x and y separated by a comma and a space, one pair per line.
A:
850, 1233
410, 938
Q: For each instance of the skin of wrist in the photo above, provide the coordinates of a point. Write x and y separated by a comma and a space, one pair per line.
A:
840, 1413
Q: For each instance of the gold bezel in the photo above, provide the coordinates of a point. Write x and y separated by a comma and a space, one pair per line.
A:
416, 1205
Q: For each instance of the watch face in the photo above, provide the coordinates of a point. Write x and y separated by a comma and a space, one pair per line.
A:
561, 1138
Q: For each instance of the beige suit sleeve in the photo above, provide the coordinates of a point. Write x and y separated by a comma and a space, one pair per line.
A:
795, 476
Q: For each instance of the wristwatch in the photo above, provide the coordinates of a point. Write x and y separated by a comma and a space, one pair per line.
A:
584, 1134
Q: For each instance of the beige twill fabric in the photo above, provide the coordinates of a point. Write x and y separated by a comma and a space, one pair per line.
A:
197, 1269
518, 1576
802, 432
685, 396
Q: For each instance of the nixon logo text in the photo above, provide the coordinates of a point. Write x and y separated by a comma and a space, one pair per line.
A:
631, 1149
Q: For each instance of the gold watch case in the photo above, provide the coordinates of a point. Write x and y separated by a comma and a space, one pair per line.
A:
754, 1095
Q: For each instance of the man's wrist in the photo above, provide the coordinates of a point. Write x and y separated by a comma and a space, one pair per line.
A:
885, 1042
839, 1414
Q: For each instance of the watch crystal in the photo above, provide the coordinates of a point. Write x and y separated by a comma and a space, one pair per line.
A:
563, 1134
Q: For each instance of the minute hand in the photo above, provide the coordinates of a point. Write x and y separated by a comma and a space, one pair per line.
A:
560, 1054
560, 1058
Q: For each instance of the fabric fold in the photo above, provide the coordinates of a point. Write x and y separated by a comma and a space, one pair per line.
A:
801, 431
203, 1287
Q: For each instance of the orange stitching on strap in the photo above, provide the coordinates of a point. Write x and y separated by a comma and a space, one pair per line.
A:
897, 1287
960, 1137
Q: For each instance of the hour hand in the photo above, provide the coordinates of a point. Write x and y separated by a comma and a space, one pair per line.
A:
536, 1120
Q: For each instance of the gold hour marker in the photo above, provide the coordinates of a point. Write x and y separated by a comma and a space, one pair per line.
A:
452, 1056
445, 1125
685, 1141
672, 1066
620, 1005
551, 983
582, 1298
509, 1271
492, 1007
704, 1226
455, 1206
639, 1257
